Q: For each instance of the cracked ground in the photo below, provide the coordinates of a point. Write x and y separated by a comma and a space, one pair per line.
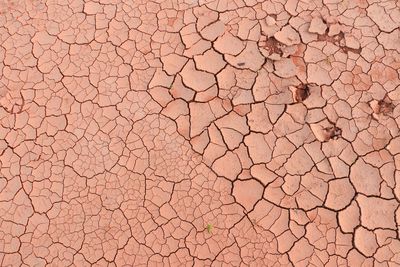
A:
199, 133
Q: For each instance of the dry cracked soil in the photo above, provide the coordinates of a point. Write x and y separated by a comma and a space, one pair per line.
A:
199, 133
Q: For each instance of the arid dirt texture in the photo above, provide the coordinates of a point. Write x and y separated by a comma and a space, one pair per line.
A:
199, 133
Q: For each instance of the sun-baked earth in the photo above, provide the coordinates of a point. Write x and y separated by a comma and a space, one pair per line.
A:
199, 133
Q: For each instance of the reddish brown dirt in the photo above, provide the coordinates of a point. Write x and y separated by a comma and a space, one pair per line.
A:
199, 133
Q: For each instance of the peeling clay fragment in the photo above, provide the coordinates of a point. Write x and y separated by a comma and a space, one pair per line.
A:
317, 25
288, 36
324, 134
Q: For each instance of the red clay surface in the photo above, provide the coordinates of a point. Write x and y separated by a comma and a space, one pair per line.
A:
199, 133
